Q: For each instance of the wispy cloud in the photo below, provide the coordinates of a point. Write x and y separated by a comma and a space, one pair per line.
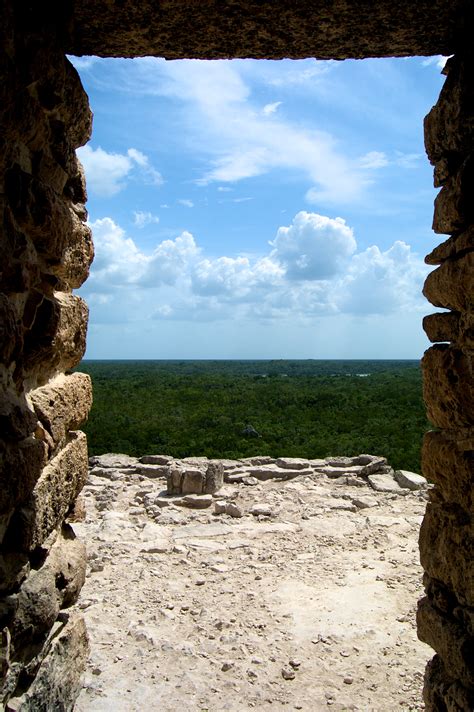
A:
269, 109
185, 202
141, 219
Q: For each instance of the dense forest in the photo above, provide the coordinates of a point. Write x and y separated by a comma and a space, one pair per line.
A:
232, 409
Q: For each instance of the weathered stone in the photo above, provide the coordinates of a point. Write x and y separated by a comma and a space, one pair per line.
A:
442, 326
292, 463
193, 482
446, 546
384, 483
56, 584
443, 692
250, 29
155, 459
410, 480
58, 680
63, 404
450, 467
14, 568
21, 467
454, 211
454, 246
57, 339
451, 285
214, 477
54, 493
151, 471
449, 126
113, 460
196, 501
448, 388
448, 639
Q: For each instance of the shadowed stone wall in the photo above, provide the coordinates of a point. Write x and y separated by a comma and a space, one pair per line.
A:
46, 251
446, 614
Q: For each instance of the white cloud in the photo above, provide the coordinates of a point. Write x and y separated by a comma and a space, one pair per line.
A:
313, 247
107, 173
187, 203
141, 219
269, 109
312, 269
373, 159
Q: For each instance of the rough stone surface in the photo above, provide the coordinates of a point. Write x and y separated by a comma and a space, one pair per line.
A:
253, 29
63, 404
442, 456
52, 497
384, 483
448, 386
410, 480
446, 546
451, 285
59, 676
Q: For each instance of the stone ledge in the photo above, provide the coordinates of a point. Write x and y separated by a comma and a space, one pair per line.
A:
63, 404
451, 286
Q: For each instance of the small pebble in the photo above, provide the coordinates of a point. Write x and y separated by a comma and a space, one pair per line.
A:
288, 673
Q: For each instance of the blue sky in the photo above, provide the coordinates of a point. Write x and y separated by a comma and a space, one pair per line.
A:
258, 209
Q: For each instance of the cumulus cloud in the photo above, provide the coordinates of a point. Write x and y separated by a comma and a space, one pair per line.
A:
314, 246
312, 269
107, 173
141, 219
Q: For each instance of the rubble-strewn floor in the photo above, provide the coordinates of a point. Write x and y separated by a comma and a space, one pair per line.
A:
309, 608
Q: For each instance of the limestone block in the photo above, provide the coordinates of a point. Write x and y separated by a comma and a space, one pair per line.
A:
204, 479
442, 326
448, 639
384, 483
193, 482
456, 245
72, 267
410, 480
442, 692
55, 585
214, 477
446, 546
58, 680
450, 467
451, 285
57, 340
449, 126
63, 404
454, 208
21, 466
448, 386
56, 490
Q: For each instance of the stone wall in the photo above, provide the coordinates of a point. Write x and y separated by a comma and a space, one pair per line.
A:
446, 614
46, 250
